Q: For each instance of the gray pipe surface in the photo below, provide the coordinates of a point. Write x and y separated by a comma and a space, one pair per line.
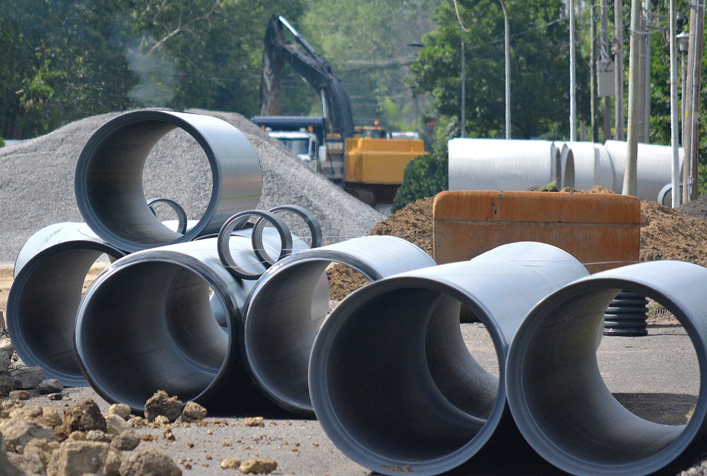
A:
108, 180
281, 320
391, 380
146, 324
556, 392
50, 270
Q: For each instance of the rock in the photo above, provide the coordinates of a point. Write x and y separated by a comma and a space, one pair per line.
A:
77, 436
149, 462
50, 417
84, 417
126, 441
193, 412
18, 432
137, 422
78, 457
27, 377
116, 424
120, 409
231, 463
161, 420
31, 465
98, 435
55, 396
6, 351
19, 395
253, 421
113, 463
44, 415
258, 466
42, 449
5, 384
8, 469
162, 404
48, 386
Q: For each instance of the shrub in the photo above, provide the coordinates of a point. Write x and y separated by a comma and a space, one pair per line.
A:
423, 177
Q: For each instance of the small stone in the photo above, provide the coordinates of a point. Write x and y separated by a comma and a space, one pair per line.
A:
29, 412
85, 416
193, 412
136, 422
258, 466
161, 420
79, 457
126, 441
42, 449
30, 464
5, 357
113, 462
98, 435
168, 435
8, 468
149, 461
253, 421
18, 432
50, 417
27, 377
55, 396
77, 436
231, 463
5, 384
120, 409
116, 424
149, 437
50, 385
162, 404
19, 395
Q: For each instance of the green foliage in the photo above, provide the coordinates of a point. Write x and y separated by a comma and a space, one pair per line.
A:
423, 177
539, 67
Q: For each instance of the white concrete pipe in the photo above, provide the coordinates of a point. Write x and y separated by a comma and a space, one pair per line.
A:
592, 165
494, 164
50, 270
654, 167
146, 324
556, 392
391, 380
281, 321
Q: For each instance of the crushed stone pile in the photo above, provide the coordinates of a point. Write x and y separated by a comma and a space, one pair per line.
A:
37, 182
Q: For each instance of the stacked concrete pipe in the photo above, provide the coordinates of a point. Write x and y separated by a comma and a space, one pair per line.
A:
555, 390
390, 378
592, 165
281, 319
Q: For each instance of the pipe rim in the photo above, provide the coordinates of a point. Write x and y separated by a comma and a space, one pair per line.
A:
14, 327
539, 439
332, 425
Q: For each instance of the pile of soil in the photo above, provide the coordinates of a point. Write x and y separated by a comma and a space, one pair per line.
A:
413, 222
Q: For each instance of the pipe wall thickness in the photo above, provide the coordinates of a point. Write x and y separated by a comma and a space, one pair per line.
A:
147, 324
557, 395
391, 380
282, 320
50, 270
108, 180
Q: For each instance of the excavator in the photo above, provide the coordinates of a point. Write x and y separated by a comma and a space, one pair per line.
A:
367, 162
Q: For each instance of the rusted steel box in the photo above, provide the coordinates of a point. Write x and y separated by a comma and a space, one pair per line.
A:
601, 230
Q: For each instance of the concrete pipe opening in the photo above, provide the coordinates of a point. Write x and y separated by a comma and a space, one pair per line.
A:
109, 177
392, 381
286, 309
51, 271
556, 391
147, 324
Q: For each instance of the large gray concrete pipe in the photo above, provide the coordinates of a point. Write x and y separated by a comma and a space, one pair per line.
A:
281, 320
108, 180
41, 308
391, 380
556, 392
146, 324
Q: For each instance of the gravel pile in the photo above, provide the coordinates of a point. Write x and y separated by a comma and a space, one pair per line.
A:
37, 182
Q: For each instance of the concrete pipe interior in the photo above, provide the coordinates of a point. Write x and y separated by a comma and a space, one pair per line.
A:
283, 316
561, 401
150, 327
396, 384
42, 306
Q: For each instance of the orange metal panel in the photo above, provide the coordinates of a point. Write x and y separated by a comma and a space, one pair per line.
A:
601, 230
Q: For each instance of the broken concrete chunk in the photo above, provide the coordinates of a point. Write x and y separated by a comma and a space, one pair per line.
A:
18, 432
162, 404
149, 461
26, 377
126, 441
50, 385
8, 468
120, 409
116, 425
78, 457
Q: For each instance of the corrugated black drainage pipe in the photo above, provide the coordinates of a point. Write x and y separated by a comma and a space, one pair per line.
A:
626, 316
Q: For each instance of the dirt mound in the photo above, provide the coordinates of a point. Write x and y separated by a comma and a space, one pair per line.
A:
413, 222
696, 208
594, 189
668, 233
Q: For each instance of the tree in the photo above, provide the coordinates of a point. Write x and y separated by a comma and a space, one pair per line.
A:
539, 67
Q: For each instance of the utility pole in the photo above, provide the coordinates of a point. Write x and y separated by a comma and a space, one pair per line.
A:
692, 101
633, 102
593, 72
507, 41
606, 101
619, 69
647, 79
463, 91
675, 170
573, 88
